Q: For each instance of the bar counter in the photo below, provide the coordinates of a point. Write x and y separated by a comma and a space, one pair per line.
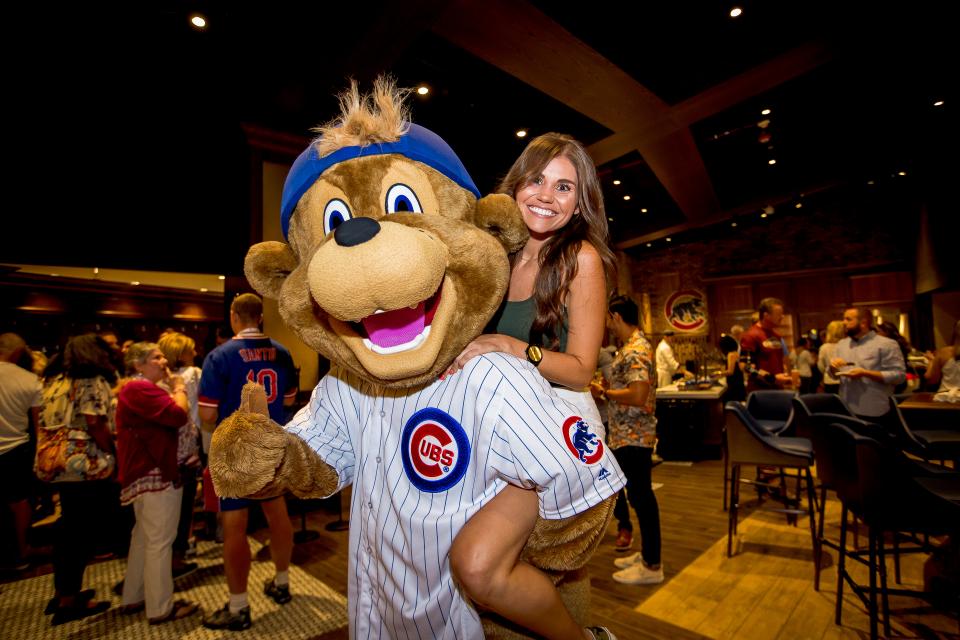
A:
689, 423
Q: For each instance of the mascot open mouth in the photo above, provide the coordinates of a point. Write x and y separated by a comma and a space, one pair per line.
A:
387, 332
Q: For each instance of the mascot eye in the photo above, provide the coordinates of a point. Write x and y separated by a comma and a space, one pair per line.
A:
402, 199
336, 213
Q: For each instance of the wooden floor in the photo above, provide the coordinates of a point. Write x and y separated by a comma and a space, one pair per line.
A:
764, 591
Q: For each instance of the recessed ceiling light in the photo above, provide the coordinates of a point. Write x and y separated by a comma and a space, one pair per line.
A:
643, 210
649, 244
626, 197
423, 90
203, 289
610, 219
765, 112
799, 205
521, 133
938, 103
616, 182
669, 239
901, 173
870, 182
735, 12
771, 161
135, 282
55, 275
198, 21
763, 215
222, 277
733, 224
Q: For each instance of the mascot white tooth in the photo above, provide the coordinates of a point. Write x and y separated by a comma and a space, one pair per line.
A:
392, 265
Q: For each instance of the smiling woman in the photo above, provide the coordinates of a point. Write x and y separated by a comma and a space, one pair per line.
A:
553, 317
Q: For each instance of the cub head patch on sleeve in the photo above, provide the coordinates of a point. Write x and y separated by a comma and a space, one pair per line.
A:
585, 445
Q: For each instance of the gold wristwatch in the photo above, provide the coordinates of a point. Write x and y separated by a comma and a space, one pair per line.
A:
534, 354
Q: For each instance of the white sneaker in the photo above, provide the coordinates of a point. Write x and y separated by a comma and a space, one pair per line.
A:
601, 633
639, 573
627, 561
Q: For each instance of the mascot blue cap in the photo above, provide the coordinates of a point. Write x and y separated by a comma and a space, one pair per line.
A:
417, 144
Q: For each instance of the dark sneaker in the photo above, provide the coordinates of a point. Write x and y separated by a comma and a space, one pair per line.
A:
280, 595
54, 603
184, 570
82, 610
223, 619
624, 540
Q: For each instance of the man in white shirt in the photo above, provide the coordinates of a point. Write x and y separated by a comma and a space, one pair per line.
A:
19, 408
667, 364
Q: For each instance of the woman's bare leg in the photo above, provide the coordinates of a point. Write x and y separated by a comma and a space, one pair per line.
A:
485, 560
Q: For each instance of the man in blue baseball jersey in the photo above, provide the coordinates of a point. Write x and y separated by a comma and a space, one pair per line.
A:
250, 356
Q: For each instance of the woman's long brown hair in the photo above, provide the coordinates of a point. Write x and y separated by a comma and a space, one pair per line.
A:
558, 256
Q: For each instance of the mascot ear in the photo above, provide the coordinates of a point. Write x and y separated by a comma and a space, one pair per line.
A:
267, 265
499, 215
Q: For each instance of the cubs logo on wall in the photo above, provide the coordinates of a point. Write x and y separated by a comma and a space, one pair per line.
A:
686, 311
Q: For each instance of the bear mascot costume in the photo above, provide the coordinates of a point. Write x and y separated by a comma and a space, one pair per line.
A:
392, 266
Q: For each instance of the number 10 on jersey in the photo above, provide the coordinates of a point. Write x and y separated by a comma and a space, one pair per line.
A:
267, 378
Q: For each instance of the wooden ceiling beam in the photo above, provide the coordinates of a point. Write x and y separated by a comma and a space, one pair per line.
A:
752, 207
519, 39
714, 100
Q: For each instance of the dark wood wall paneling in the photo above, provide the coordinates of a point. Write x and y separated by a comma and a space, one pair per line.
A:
813, 300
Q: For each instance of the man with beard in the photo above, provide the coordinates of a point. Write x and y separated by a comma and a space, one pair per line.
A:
869, 366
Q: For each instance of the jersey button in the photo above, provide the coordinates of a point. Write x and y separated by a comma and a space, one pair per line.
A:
383, 414
370, 504
378, 459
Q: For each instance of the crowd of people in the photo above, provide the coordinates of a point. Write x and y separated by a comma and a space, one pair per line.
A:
861, 358
119, 434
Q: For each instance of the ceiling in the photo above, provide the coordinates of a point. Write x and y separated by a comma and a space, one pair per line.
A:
131, 127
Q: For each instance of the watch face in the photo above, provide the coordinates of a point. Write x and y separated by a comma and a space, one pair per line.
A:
534, 354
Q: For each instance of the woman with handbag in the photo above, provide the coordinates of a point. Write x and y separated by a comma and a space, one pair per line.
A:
148, 421
75, 452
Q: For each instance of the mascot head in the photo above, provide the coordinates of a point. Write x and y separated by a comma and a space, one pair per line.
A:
392, 264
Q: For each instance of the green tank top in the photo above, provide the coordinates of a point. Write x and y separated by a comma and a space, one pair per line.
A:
515, 318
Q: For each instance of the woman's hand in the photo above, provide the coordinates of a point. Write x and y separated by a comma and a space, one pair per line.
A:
597, 388
482, 344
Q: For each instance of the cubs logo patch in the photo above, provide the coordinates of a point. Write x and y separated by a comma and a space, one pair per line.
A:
584, 444
435, 450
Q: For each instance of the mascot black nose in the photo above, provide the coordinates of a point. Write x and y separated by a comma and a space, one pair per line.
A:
356, 231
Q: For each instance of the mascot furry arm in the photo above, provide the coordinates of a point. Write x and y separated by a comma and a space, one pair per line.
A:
393, 264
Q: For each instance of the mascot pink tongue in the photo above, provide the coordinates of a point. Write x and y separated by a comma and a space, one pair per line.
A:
395, 327
400, 327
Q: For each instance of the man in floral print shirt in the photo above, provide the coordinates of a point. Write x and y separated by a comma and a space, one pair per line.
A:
631, 434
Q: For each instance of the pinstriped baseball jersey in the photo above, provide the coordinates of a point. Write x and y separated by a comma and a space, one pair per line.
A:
422, 462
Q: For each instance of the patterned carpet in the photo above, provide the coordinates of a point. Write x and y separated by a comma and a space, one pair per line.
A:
315, 609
